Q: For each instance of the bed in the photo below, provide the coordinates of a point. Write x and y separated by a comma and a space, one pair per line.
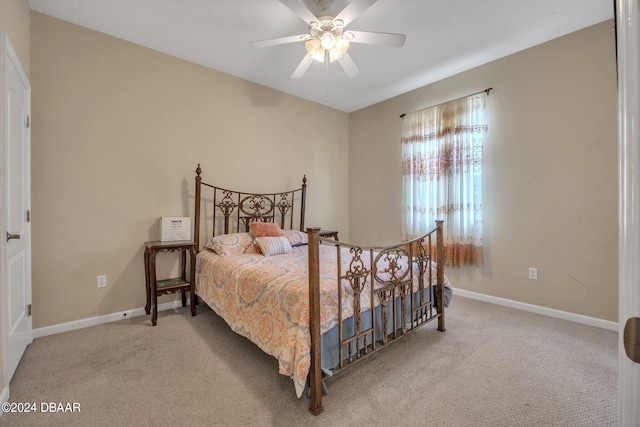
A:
305, 299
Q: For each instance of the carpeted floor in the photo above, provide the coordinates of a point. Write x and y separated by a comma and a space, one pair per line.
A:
494, 366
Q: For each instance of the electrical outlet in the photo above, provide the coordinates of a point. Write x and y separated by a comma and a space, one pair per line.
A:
102, 281
533, 273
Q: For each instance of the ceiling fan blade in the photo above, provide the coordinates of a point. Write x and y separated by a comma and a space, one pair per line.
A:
302, 67
280, 40
300, 9
349, 66
353, 10
379, 39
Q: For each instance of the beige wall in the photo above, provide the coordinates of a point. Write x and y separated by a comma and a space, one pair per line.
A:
550, 173
120, 129
119, 132
15, 21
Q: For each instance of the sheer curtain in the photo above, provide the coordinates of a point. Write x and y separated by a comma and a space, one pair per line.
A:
442, 175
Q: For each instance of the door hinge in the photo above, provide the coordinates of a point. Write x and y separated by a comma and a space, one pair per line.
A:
29, 121
28, 216
29, 310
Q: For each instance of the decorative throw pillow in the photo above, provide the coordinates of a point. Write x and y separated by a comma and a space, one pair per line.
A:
273, 245
297, 237
265, 229
232, 244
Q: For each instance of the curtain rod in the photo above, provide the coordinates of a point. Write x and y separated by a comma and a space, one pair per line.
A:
487, 90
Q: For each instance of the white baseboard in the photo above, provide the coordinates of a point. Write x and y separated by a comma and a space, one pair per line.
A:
99, 320
564, 315
113, 317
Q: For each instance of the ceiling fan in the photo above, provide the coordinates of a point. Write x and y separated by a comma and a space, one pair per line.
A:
328, 40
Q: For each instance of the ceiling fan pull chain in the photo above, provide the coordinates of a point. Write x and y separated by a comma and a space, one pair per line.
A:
326, 72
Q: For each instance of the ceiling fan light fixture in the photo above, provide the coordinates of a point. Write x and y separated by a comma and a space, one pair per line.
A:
337, 46
334, 55
313, 46
314, 49
327, 40
342, 44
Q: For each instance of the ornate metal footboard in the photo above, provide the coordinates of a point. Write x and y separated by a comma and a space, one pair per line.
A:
399, 280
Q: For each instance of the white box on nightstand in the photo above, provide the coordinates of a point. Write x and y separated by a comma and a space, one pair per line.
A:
174, 228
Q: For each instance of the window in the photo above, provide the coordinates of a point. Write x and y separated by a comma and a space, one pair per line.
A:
442, 175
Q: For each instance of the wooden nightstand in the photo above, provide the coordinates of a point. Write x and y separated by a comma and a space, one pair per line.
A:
329, 234
182, 284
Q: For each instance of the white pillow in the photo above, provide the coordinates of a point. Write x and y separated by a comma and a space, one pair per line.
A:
231, 244
274, 245
296, 237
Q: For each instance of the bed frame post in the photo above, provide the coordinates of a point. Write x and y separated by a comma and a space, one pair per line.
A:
196, 214
440, 273
315, 374
304, 200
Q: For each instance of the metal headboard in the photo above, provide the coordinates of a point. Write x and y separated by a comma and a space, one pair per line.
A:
232, 211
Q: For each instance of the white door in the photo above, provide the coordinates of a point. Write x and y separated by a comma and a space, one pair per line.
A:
16, 205
628, 19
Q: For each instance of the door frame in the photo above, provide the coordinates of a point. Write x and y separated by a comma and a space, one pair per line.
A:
628, 43
8, 54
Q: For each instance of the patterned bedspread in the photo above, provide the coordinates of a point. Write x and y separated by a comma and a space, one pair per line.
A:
265, 299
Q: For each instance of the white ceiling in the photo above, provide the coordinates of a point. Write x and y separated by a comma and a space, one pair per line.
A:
444, 37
